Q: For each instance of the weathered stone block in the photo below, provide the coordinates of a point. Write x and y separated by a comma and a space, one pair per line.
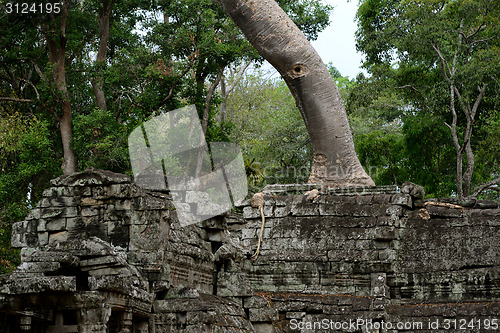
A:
49, 213
55, 225
358, 210
395, 210
414, 190
215, 223
392, 221
34, 214
108, 260
361, 303
39, 284
90, 177
19, 232
378, 284
387, 255
152, 203
75, 224
305, 209
110, 271
263, 315
484, 204
287, 189
38, 267
384, 233
70, 212
62, 257
43, 238
84, 191
90, 211
402, 200
233, 284
123, 204
88, 201
58, 238
210, 209
196, 197
444, 211
41, 225
282, 211
255, 302
64, 201
43, 203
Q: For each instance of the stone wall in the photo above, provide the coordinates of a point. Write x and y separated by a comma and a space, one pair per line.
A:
100, 254
344, 256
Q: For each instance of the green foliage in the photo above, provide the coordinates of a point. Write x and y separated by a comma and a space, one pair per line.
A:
382, 153
417, 50
375, 115
27, 162
161, 55
430, 154
270, 131
311, 16
101, 141
489, 154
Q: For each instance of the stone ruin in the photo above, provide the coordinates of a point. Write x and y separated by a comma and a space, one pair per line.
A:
100, 254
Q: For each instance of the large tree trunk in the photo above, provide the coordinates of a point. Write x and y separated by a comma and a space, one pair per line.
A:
280, 41
57, 58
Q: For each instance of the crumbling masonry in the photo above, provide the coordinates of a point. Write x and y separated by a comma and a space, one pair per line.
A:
100, 254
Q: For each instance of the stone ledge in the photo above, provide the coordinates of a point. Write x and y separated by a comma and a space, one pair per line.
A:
287, 189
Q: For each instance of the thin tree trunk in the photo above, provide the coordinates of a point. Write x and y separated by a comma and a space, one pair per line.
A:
225, 91
223, 105
208, 100
57, 58
65, 127
469, 169
456, 143
280, 41
97, 82
204, 123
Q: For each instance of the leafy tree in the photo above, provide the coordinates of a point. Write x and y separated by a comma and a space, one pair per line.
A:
376, 118
27, 163
85, 77
100, 141
270, 130
444, 56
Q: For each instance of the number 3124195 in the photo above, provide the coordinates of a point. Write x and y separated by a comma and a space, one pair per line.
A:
32, 8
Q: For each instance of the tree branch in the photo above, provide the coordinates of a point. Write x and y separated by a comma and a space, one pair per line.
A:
480, 28
171, 91
238, 77
208, 99
444, 64
479, 98
454, 66
14, 99
34, 88
485, 186
423, 97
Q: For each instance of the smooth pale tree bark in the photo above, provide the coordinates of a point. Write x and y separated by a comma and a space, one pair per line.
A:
279, 40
